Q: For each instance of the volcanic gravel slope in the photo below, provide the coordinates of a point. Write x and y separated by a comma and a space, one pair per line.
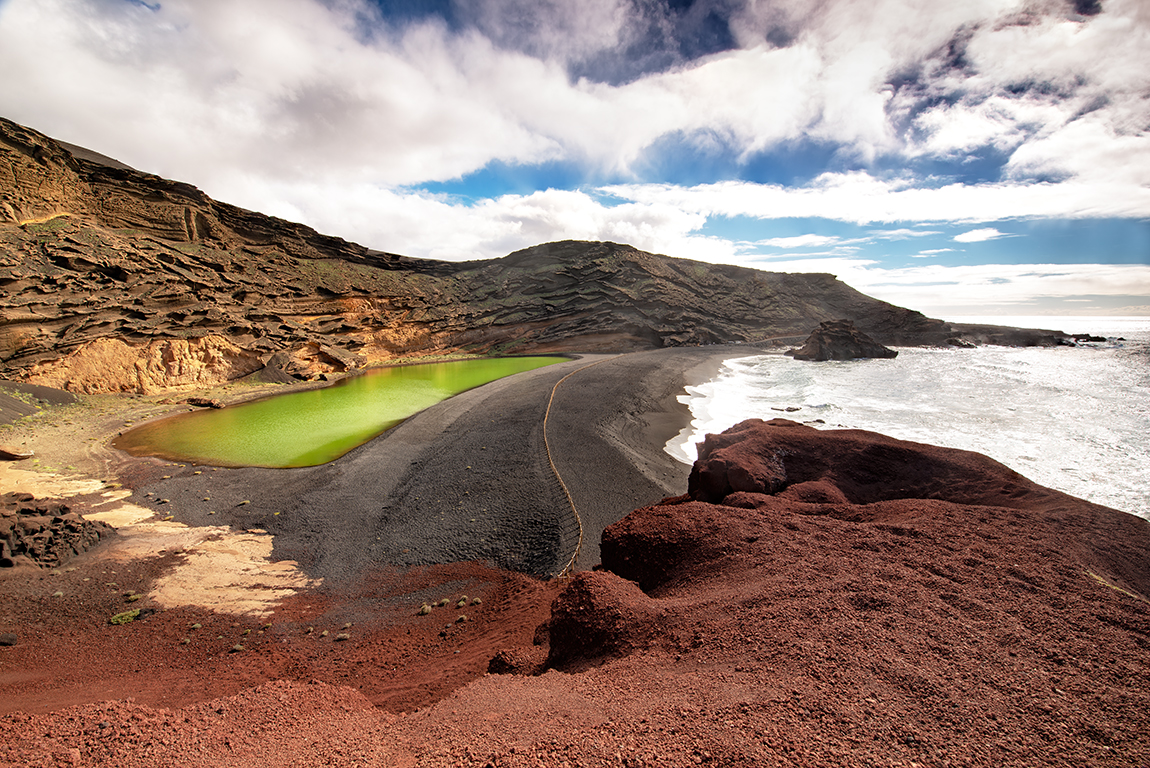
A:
818, 598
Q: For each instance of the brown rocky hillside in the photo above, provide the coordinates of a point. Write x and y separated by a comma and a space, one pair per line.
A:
117, 280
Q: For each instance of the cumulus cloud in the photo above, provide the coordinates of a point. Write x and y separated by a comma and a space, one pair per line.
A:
331, 113
439, 227
293, 89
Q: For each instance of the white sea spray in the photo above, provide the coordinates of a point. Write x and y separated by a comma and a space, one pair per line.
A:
1070, 418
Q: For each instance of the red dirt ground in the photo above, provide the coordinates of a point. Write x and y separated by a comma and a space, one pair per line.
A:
889, 604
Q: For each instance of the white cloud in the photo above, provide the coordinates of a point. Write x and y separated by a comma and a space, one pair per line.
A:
979, 235
204, 90
863, 199
799, 241
901, 234
931, 287
437, 227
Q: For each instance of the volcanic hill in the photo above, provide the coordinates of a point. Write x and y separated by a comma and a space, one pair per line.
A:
117, 280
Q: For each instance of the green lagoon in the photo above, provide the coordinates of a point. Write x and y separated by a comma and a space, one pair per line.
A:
303, 429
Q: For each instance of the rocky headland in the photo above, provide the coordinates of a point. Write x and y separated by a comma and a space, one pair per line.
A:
116, 280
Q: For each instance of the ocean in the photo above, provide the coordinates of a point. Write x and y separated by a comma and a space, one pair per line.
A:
1076, 419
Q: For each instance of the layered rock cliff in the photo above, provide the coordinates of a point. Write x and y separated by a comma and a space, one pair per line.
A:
117, 280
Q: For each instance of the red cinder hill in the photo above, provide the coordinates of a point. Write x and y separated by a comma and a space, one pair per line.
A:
817, 598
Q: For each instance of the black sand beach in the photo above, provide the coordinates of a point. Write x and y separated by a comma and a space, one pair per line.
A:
469, 478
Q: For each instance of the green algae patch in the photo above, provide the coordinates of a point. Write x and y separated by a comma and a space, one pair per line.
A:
303, 429
127, 617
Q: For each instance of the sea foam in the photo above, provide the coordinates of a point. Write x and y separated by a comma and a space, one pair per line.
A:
1070, 418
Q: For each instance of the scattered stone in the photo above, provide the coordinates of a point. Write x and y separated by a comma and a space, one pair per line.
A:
235, 648
342, 636
10, 453
8, 639
424, 609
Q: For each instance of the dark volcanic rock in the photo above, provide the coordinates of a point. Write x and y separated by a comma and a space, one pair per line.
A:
44, 532
840, 340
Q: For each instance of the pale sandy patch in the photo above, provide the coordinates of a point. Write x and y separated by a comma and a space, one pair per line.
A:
223, 570
231, 573
45, 484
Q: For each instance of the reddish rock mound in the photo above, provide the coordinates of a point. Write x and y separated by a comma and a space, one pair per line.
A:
906, 602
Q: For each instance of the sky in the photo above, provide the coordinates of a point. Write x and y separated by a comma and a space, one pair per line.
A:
958, 158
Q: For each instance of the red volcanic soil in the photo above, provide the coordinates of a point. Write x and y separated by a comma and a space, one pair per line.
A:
817, 598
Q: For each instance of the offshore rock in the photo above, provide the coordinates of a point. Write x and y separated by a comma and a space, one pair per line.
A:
840, 340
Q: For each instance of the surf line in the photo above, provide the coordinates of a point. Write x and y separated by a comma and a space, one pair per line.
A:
566, 572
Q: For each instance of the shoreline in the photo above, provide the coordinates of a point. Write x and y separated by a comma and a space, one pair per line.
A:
327, 558
452, 484
609, 425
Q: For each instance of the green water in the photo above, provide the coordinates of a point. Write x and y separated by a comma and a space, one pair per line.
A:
302, 429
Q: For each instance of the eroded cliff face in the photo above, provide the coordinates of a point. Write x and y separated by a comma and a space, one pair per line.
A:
116, 280
113, 365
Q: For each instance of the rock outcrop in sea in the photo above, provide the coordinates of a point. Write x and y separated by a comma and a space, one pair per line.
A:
840, 340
